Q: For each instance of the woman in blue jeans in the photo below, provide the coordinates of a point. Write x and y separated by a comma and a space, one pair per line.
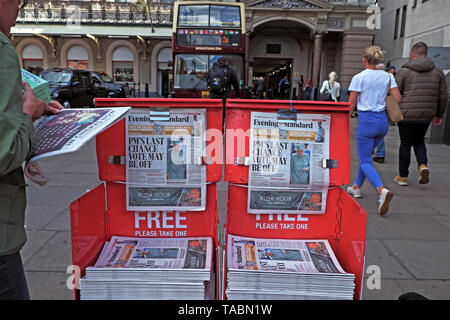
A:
368, 91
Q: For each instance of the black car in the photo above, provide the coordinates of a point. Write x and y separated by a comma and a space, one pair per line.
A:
107, 87
72, 88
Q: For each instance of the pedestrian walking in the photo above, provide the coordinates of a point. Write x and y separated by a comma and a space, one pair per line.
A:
424, 88
301, 83
368, 91
331, 89
260, 87
283, 85
308, 90
219, 80
16, 139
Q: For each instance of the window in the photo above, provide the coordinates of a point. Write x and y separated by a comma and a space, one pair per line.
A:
193, 16
57, 77
209, 16
85, 80
273, 48
397, 18
191, 70
402, 30
225, 38
225, 16
33, 59
123, 65
77, 58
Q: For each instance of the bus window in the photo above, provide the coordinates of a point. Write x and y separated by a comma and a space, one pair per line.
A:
198, 39
191, 71
193, 16
233, 61
225, 16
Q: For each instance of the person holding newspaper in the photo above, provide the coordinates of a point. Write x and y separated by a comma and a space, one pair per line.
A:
16, 140
368, 91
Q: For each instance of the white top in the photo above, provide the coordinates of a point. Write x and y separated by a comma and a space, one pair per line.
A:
335, 90
373, 88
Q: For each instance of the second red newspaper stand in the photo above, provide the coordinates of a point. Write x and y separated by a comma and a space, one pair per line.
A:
344, 222
102, 213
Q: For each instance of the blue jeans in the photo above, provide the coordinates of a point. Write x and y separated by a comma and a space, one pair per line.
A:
380, 152
372, 127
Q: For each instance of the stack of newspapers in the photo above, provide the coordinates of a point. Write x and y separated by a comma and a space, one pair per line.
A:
151, 269
273, 269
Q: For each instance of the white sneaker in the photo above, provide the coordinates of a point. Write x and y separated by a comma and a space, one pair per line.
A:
356, 193
384, 199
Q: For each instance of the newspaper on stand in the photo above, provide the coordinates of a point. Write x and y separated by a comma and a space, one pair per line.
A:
157, 253
285, 269
151, 268
286, 156
302, 256
163, 161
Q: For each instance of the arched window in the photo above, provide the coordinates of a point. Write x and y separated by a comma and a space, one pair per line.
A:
33, 59
77, 58
123, 66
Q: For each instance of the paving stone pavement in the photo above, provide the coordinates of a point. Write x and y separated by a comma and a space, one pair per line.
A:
411, 246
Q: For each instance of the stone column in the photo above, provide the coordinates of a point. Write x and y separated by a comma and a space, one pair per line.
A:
318, 44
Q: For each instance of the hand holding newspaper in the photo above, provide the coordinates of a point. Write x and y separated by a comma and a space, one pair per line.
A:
67, 132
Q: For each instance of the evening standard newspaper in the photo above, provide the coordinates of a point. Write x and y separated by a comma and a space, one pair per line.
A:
71, 129
163, 161
274, 255
156, 253
285, 167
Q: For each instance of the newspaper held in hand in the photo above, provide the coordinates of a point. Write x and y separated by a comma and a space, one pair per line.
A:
39, 86
285, 170
285, 269
163, 163
152, 268
70, 129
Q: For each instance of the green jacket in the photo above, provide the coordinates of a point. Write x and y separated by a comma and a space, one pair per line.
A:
16, 140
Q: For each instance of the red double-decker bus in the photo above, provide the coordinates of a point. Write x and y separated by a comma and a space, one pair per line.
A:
203, 32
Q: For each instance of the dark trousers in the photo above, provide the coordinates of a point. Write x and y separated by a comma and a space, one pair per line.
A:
412, 134
13, 285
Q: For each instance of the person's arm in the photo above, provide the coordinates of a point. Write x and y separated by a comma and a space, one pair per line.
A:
394, 90
353, 100
235, 83
443, 101
16, 126
400, 78
323, 88
355, 89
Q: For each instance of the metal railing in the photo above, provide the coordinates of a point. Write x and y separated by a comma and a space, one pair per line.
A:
96, 12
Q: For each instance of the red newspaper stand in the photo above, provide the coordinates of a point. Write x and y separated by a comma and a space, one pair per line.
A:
102, 213
344, 222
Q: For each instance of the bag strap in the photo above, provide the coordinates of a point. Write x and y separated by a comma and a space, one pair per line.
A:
389, 85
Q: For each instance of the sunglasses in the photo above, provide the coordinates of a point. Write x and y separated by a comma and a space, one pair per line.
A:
22, 4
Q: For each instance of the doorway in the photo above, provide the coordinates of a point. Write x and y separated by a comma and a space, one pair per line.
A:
272, 70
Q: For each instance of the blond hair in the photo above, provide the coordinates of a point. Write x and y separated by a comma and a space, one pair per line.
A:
373, 54
333, 77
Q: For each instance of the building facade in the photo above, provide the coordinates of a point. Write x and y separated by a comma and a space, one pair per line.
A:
406, 22
284, 37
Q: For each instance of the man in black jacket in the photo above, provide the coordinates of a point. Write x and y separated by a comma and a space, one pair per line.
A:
220, 79
424, 91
